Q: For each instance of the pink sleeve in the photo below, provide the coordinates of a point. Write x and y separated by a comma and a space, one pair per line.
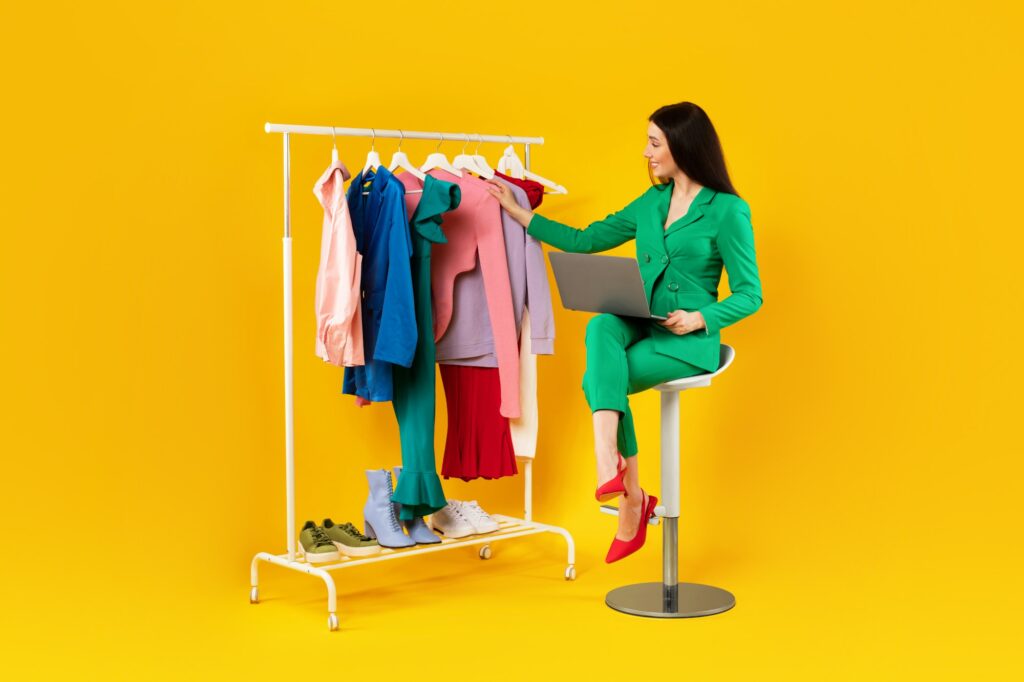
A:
494, 267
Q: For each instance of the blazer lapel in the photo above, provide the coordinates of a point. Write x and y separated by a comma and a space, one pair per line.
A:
695, 212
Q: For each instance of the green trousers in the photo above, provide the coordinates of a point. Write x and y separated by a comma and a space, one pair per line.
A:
419, 488
621, 360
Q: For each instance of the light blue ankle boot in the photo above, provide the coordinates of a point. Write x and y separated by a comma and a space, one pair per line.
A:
379, 514
416, 528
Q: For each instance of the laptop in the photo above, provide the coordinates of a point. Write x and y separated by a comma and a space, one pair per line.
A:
600, 284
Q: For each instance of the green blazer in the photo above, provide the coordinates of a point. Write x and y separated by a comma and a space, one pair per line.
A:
682, 266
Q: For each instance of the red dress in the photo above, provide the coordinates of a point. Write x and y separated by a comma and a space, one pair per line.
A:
479, 443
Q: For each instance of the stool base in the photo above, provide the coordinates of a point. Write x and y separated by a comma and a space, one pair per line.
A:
654, 600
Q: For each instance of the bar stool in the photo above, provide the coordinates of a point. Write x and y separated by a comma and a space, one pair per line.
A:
669, 599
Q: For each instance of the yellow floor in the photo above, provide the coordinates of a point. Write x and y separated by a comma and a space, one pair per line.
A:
452, 616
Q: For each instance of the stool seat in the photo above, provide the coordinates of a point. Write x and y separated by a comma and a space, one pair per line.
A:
670, 598
699, 380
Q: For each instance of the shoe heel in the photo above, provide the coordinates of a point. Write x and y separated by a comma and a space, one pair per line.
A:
369, 530
613, 488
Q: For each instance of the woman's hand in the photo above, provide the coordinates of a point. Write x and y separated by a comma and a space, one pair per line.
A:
508, 202
681, 322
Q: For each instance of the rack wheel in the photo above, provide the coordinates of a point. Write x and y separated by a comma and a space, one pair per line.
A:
485, 552
254, 595
332, 621
570, 573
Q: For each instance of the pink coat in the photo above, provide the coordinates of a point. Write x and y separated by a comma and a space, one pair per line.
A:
339, 320
475, 228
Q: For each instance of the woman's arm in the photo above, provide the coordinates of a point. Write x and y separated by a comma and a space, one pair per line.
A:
736, 244
617, 228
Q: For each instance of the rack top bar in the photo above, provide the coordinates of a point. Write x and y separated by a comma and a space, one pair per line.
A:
408, 134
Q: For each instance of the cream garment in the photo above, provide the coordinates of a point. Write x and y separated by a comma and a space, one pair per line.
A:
524, 429
339, 320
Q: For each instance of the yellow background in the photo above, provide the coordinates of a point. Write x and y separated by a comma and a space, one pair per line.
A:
854, 478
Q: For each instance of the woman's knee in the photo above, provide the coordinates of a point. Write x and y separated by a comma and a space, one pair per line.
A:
605, 326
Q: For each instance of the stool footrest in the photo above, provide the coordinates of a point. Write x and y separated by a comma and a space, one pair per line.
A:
612, 510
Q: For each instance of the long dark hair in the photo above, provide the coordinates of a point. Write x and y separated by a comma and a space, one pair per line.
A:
694, 145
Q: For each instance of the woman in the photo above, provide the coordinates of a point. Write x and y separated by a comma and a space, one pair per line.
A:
688, 226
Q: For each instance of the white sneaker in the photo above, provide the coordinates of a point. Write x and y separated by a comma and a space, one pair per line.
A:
481, 520
451, 522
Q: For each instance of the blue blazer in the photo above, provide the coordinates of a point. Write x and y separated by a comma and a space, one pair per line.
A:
381, 227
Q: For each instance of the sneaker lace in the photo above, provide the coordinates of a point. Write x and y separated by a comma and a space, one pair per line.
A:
355, 531
475, 511
319, 536
468, 512
453, 510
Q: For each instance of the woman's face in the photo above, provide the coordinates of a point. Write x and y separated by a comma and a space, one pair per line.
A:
658, 155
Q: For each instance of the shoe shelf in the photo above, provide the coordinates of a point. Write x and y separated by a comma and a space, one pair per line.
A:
508, 528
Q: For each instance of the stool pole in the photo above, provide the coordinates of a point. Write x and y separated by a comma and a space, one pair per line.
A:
670, 497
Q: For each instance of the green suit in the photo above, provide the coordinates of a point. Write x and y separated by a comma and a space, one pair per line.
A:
681, 268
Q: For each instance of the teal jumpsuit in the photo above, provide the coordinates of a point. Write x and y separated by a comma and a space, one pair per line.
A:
419, 488
681, 267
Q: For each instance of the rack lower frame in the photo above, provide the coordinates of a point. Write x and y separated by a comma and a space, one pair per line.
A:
508, 528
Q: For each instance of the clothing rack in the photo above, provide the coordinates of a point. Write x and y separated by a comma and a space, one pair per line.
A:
509, 527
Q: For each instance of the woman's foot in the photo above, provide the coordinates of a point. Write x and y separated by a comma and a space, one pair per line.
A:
623, 547
611, 481
630, 509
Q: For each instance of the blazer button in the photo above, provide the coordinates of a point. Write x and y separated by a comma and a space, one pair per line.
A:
647, 258
672, 286
664, 260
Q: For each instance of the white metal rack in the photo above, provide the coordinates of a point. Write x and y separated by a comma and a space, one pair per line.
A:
509, 527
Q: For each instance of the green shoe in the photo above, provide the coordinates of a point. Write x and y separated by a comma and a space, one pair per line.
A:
349, 540
316, 546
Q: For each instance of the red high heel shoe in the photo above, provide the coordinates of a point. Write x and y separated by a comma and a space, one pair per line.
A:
623, 548
614, 487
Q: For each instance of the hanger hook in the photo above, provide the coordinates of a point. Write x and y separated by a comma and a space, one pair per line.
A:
465, 144
438, 148
334, 136
373, 140
479, 141
401, 137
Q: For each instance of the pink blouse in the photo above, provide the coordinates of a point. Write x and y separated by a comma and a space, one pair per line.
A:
339, 321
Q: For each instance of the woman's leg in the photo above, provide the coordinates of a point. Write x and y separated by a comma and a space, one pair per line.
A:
605, 383
646, 369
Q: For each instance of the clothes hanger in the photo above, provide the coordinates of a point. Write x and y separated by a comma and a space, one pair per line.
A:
509, 163
373, 158
481, 162
515, 169
466, 162
400, 160
336, 164
439, 160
